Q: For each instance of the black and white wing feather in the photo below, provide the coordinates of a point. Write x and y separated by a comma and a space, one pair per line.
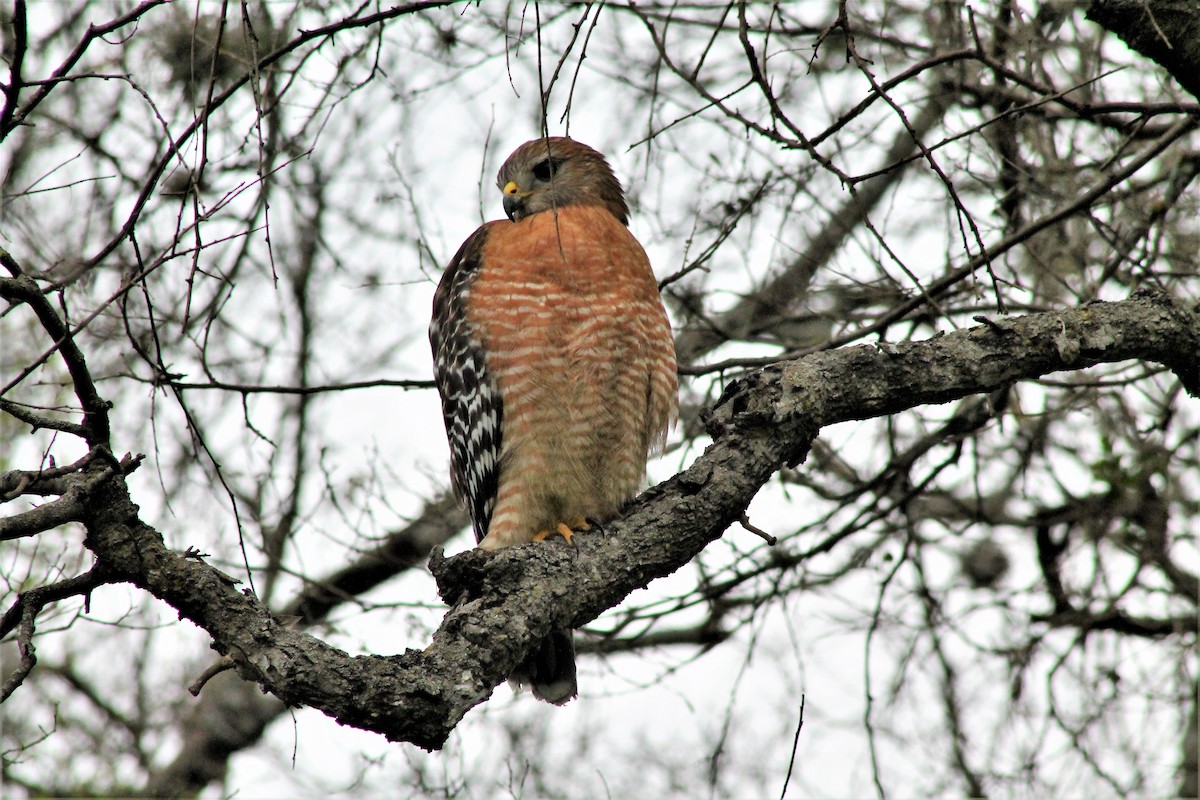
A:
471, 403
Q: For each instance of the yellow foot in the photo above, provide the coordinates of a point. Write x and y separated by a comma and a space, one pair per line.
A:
563, 530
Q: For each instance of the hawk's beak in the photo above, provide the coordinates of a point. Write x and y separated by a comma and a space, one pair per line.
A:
514, 201
513, 206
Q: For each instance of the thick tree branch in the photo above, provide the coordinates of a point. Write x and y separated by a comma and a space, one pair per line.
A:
72, 484
47, 516
1164, 31
232, 714
506, 600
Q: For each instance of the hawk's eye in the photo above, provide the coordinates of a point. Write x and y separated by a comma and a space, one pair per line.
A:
544, 170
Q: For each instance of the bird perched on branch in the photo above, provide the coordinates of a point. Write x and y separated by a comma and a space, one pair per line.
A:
555, 363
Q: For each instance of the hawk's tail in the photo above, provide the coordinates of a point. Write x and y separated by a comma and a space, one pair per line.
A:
550, 669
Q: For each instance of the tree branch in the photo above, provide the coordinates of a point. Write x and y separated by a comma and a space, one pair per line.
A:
22, 289
23, 616
400, 550
72, 484
505, 601
232, 713
1164, 31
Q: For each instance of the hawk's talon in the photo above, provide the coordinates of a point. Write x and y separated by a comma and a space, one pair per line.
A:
564, 530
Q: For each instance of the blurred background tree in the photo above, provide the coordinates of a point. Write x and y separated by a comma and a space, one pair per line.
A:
239, 212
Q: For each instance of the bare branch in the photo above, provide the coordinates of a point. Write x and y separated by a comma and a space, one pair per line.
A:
20, 288
24, 613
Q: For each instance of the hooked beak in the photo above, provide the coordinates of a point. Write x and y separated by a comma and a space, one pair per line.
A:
514, 206
514, 201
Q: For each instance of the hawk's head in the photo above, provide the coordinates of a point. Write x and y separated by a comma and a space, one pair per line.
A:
555, 172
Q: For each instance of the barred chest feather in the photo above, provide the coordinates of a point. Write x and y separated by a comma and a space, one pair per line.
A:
567, 311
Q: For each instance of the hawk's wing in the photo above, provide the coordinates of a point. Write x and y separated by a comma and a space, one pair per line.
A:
471, 403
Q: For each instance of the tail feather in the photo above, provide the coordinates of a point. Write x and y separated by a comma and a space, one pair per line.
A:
549, 669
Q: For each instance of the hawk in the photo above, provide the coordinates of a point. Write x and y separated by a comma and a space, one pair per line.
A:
555, 364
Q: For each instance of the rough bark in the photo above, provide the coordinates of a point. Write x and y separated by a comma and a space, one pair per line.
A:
231, 714
1164, 31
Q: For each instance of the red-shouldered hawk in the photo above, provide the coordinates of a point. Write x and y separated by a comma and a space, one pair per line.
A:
555, 363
